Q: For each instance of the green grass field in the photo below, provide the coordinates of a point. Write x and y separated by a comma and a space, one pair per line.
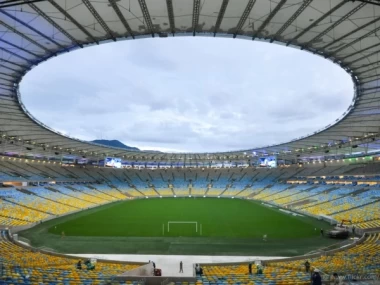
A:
218, 217
229, 226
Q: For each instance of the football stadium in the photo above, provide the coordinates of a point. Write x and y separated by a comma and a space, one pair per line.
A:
306, 211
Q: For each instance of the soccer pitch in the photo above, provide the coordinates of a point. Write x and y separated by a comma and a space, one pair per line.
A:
217, 217
204, 226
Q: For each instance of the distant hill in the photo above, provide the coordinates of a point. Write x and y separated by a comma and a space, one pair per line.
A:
115, 143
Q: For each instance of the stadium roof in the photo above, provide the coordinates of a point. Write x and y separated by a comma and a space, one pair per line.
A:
343, 31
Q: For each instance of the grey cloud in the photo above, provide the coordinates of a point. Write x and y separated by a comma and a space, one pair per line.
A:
188, 94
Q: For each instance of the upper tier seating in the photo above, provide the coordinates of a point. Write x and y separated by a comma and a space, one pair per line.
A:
341, 200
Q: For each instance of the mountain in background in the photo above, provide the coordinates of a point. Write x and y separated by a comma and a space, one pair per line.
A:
115, 143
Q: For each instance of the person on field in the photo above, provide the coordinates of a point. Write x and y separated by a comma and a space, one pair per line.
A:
250, 268
153, 264
181, 267
316, 278
307, 266
321, 232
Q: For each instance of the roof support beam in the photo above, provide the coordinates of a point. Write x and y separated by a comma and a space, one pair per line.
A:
55, 25
369, 80
20, 48
6, 89
7, 85
6, 74
15, 55
14, 70
337, 23
24, 36
6, 79
244, 17
99, 19
360, 51
121, 17
196, 11
72, 19
148, 20
369, 70
13, 3
13, 63
357, 40
268, 19
370, 76
353, 32
169, 6
31, 28
363, 57
220, 16
366, 65
303, 6
373, 2
316, 22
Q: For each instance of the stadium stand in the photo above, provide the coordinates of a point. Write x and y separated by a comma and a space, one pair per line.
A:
345, 32
237, 274
79, 189
344, 199
21, 265
362, 258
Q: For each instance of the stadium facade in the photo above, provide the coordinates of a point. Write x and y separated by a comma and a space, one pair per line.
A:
342, 31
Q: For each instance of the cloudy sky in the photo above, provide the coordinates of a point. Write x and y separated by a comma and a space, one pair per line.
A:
187, 94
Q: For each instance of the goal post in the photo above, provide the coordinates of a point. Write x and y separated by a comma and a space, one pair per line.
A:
183, 222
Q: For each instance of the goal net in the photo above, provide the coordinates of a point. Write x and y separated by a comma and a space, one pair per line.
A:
183, 222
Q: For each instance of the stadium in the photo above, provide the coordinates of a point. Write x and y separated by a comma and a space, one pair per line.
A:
251, 216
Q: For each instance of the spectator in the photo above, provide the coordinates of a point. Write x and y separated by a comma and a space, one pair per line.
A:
259, 269
79, 265
307, 266
335, 279
197, 269
250, 268
316, 278
89, 265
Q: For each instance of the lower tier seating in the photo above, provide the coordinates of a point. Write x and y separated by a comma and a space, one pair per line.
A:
22, 266
363, 258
